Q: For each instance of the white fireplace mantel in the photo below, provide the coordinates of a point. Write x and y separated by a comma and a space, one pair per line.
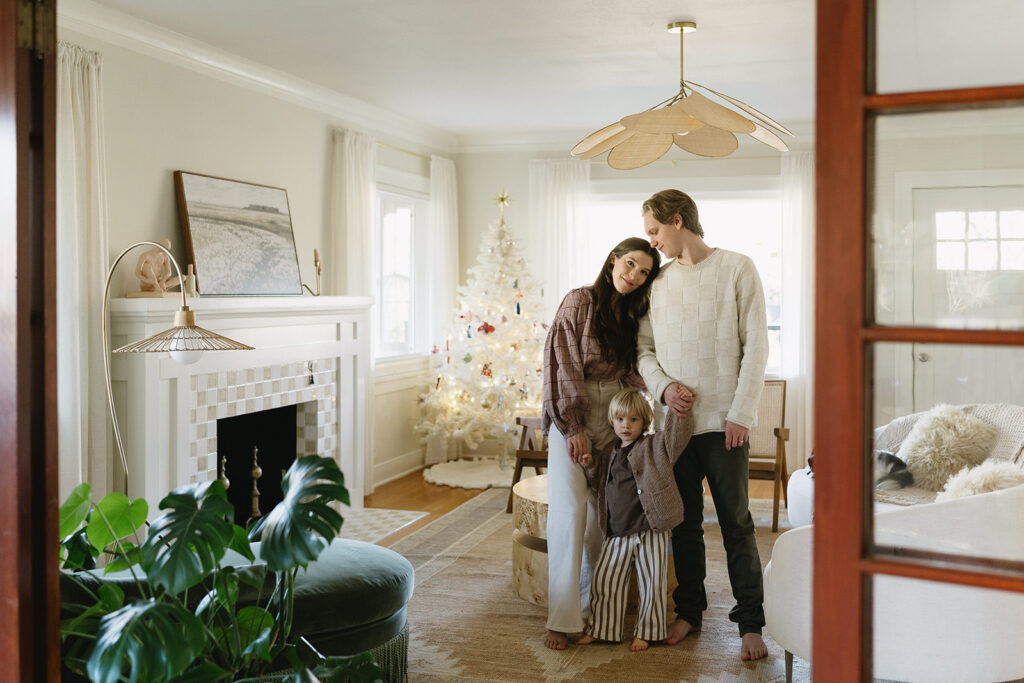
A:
168, 411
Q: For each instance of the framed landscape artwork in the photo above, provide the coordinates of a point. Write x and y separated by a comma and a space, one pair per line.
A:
238, 236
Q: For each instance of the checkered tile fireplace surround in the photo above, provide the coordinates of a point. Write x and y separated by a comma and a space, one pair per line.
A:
311, 352
310, 386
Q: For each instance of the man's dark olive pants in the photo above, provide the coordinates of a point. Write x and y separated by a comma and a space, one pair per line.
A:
726, 472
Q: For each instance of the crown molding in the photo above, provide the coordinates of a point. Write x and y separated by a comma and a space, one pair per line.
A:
117, 28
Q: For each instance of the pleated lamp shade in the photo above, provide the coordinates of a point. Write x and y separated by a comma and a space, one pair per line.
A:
183, 337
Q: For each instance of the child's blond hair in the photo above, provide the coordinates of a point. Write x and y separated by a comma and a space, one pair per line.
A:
630, 402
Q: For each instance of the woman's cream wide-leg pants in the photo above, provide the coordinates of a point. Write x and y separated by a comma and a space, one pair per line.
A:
574, 537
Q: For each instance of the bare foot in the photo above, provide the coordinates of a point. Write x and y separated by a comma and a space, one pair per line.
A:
638, 645
586, 639
679, 629
556, 640
753, 647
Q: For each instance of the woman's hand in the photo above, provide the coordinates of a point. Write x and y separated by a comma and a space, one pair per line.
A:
577, 447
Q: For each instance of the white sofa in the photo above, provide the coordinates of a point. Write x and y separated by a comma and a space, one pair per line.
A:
923, 631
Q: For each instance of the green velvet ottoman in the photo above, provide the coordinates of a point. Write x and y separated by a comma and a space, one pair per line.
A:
352, 600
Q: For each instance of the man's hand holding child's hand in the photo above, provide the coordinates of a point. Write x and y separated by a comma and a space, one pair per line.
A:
679, 398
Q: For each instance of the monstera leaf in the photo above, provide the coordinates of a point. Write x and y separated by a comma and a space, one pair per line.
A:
159, 640
186, 543
302, 524
114, 518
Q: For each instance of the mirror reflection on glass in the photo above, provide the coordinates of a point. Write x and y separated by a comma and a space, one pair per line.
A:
948, 427
947, 219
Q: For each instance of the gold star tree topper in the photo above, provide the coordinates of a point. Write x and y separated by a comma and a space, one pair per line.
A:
503, 201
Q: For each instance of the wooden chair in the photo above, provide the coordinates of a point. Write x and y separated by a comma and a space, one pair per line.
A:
768, 442
532, 452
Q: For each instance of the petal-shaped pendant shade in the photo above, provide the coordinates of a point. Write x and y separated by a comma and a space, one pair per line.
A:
715, 114
708, 142
672, 119
639, 150
595, 138
760, 116
693, 122
762, 134
607, 144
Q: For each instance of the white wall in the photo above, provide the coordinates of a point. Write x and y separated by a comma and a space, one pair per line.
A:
162, 115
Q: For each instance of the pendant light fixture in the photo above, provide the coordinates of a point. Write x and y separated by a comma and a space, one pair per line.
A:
688, 120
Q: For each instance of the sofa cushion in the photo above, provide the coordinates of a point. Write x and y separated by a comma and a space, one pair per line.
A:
944, 441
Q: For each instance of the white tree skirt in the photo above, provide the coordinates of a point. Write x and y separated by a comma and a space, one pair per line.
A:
470, 473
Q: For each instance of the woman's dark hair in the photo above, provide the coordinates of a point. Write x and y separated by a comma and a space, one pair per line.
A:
617, 317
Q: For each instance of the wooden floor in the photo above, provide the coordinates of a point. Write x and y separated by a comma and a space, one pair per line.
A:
412, 492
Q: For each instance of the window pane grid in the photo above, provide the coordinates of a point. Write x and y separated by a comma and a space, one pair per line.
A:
979, 240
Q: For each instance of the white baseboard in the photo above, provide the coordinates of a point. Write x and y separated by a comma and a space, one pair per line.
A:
397, 467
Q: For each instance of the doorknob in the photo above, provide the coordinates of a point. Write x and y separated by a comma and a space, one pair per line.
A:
923, 357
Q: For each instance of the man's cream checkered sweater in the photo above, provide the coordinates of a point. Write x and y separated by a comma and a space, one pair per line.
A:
707, 328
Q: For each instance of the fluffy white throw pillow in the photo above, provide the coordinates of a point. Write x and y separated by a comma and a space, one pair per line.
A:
943, 441
988, 476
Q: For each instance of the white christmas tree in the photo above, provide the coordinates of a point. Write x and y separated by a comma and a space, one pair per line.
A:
488, 370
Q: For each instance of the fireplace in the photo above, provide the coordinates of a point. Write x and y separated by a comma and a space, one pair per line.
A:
266, 442
312, 358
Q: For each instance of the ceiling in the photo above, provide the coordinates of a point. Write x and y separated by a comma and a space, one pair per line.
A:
490, 71
482, 68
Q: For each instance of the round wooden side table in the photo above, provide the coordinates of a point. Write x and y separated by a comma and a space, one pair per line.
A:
529, 539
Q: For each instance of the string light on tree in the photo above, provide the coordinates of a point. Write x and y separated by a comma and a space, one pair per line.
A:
488, 371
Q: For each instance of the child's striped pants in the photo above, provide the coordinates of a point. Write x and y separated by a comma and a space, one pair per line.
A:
647, 553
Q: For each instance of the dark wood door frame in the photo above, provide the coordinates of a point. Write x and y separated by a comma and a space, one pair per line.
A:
844, 558
28, 386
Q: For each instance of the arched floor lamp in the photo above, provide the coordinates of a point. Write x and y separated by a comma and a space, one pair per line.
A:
185, 342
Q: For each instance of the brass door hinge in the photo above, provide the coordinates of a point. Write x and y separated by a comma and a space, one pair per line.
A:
37, 28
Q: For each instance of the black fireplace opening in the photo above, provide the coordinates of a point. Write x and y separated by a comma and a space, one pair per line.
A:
273, 434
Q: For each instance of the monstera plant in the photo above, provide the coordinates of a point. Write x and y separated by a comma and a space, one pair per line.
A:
164, 609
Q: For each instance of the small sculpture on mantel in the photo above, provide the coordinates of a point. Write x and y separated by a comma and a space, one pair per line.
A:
155, 273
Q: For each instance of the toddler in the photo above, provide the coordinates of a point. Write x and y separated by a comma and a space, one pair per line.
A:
639, 504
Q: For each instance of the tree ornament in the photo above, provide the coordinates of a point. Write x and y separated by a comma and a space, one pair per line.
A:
485, 328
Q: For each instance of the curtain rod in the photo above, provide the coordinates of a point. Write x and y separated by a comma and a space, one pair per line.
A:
403, 151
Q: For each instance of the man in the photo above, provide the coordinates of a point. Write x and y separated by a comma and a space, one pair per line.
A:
707, 329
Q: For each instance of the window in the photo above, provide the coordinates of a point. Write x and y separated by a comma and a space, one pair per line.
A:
402, 224
745, 221
979, 240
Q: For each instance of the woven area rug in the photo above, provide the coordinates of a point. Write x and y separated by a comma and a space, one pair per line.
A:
467, 624
373, 524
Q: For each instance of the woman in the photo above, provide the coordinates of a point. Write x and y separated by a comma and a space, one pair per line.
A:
589, 355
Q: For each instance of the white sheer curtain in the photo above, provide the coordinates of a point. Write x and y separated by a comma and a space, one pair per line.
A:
444, 246
353, 204
558, 201
84, 453
353, 226
798, 231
